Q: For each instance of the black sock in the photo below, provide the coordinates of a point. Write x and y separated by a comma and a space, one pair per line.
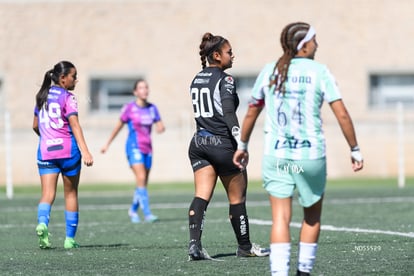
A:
196, 215
240, 223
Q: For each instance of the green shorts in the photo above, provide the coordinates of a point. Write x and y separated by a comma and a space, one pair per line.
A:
282, 176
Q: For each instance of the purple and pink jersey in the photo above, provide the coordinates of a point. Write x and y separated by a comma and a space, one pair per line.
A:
140, 121
56, 140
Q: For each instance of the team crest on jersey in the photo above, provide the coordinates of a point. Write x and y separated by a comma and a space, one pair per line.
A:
229, 79
229, 84
74, 102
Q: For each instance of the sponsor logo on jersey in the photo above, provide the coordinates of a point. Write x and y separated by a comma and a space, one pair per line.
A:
201, 81
299, 79
52, 97
56, 141
235, 131
229, 88
55, 90
204, 74
292, 143
229, 84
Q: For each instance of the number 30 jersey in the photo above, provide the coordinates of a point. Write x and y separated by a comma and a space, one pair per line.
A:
215, 101
56, 140
293, 125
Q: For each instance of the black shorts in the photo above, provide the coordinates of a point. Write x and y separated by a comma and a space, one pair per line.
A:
213, 150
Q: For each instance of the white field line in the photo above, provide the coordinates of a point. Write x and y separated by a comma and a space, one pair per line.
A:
340, 229
104, 206
115, 207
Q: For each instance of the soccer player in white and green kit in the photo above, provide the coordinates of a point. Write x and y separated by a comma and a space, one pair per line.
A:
293, 90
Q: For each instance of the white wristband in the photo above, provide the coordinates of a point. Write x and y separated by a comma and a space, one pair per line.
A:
356, 155
242, 145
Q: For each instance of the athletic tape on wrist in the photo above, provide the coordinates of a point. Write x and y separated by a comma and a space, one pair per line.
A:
356, 155
242, 146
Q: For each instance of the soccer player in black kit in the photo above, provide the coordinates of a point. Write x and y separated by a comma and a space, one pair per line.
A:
214, 99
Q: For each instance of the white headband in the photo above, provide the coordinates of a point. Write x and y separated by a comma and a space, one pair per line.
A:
311, 32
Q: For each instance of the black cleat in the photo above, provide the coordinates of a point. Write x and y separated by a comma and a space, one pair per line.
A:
196, 252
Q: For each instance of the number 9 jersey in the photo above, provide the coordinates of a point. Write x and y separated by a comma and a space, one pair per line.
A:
56, 140
215, 101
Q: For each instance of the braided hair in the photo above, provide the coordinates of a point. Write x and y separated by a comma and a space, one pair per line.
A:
209, 44
52, 75
291, 35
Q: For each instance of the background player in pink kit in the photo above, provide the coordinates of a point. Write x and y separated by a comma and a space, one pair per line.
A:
139, 115
62, 148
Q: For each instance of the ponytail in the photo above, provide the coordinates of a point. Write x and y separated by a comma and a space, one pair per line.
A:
61, 68
291, 35
41, 96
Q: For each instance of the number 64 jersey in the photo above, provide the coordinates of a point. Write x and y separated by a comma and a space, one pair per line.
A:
293, 125
215, 101
56, 140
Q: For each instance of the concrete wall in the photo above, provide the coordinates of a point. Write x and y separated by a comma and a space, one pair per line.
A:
159, 39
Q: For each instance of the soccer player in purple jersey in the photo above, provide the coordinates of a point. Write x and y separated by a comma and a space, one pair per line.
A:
139, 115
62, 147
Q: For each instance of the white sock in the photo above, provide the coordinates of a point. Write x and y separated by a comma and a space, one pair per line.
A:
279, 259
307, 256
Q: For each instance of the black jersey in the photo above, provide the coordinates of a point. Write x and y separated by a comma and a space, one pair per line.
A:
215, 101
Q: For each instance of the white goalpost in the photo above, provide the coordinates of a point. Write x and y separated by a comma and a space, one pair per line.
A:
7, 131
401, 153
8, 155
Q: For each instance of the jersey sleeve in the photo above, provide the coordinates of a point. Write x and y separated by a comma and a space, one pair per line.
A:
261, 84
71, 106
230, 102
125, 113
329, 87
155, 113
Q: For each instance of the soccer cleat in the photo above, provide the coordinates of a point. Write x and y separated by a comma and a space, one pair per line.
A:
151, 218
70, 243
43, 234
255, 251
196, 252
134, 216
301, 273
